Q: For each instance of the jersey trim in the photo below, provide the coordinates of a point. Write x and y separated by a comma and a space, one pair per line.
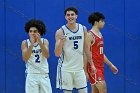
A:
93, 41
71, 30
27, 43
63, 30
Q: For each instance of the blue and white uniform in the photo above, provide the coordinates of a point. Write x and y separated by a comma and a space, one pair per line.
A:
37, 80
70, 70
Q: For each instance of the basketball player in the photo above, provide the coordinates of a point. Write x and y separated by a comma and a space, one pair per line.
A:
69, 46
35, 52
95, 54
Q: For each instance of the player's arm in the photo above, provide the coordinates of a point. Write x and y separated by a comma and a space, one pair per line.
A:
109, 63
84, 56
26, 52
60, 38
87, 44
45, 48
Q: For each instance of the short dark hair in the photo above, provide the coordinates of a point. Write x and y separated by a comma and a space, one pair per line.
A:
35, 23
96, 16
71, 9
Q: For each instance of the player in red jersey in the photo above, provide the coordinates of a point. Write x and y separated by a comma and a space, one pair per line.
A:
94, 49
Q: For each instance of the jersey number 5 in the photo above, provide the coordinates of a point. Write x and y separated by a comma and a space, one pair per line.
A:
75, 44
37, 58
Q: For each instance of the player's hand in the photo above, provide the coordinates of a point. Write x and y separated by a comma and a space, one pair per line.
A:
32, 39
37, 36
87, 76
94, 70
114, 69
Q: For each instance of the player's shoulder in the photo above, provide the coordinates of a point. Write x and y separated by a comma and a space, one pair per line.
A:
90, 35
45, 40
59, 31
24, 41
83, 26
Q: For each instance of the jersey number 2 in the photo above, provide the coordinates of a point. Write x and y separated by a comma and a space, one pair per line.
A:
37, 58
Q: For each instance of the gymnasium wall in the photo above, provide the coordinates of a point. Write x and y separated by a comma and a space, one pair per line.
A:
121, 35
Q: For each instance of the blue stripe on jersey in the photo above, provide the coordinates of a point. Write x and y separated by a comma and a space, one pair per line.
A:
63, 30
83, 28
71, 30
62, 55
60, 79
43, 41
66, 90
60, 61
35, 45
82, 88
27, 43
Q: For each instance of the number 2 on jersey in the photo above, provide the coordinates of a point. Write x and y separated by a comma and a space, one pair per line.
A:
37, 58
75, 44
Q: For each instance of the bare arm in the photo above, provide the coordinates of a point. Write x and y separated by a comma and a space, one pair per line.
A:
26, 52
45, 48
106, 60
85, 58
87, 45
60, 38
112, 67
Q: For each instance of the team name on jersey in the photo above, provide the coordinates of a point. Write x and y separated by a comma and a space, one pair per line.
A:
37, 51
75, 37
101, 42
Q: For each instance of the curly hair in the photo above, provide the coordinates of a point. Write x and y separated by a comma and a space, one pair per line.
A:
96, 16
36, 23
71, 9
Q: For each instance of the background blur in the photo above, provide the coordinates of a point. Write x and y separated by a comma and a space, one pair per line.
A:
121, 35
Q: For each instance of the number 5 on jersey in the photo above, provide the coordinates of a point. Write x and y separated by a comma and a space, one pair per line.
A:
75, 44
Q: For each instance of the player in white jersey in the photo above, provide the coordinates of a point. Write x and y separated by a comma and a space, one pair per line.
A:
35, 52
69, 46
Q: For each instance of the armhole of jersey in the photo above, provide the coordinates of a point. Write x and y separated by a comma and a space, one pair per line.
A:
83, 28
27, 43
43, 41
93, 37
78, 27
63, 30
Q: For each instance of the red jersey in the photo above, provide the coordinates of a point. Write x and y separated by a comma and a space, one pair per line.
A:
97, 50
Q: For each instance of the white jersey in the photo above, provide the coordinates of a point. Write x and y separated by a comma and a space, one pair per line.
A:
72, 56
37, 63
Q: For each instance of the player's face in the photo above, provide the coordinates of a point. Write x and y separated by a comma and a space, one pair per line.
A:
70, 17
33, 31
101, 24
